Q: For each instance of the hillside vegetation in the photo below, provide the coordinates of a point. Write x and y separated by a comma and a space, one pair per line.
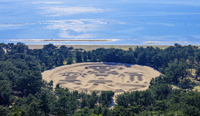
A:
24, 92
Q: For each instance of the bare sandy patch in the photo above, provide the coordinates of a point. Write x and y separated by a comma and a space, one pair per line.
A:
96, 76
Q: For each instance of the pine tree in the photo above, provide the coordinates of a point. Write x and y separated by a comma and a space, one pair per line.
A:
43, 68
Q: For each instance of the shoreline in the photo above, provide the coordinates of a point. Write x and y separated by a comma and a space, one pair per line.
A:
95, 46
92, 47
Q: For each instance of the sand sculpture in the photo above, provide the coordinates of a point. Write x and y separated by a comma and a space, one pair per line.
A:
99, 76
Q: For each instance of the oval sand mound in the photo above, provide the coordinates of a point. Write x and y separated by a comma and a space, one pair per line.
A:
97, 76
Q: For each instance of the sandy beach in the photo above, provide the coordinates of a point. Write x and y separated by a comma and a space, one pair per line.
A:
92, 47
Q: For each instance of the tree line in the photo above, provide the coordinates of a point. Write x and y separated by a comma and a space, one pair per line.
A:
23, 92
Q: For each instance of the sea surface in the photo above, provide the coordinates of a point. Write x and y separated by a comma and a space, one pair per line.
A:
120, 22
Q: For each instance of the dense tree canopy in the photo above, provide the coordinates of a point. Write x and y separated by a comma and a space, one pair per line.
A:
23, 92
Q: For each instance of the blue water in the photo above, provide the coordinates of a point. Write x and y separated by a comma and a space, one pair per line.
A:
129, 22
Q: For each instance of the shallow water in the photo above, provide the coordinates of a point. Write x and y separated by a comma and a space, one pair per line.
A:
125, 22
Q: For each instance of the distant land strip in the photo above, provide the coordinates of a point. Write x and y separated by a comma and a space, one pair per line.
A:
16, 23
93, 47
66, 40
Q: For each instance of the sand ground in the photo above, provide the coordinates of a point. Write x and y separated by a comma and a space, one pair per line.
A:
93, 47
98, 76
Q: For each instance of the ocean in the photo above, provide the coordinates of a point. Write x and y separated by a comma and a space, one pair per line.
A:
103, 22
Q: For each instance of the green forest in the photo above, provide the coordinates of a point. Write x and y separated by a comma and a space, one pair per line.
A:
23, 92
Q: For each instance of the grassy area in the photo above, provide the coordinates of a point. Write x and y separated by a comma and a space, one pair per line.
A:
192, 79
65, 62
175, 87
193, 71
197, 88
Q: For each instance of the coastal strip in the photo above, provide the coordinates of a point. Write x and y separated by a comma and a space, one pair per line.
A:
93, 47
66, 40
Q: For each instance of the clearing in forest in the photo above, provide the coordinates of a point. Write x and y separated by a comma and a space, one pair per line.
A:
98, 76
